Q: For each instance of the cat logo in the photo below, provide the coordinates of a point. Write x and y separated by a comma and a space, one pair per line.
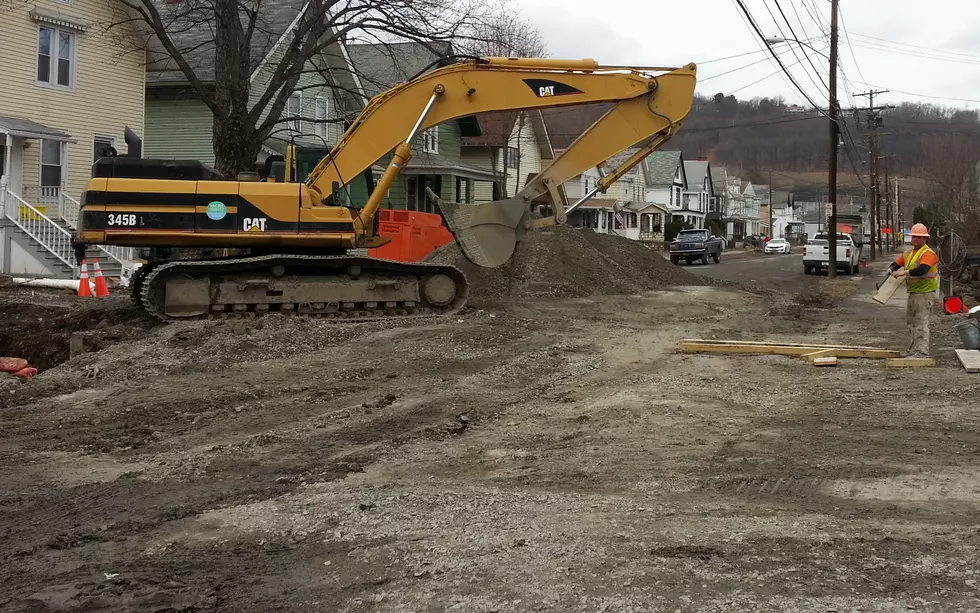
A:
254, 224
546, 88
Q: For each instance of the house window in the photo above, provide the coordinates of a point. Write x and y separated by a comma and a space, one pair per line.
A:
430, 140
294, 108
321, 114
55, 57
101, 147
51, 163
459, 189
513, 157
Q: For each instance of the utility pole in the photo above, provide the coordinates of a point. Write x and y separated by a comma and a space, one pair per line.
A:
890, 237
834, 138
772, 233
874, 121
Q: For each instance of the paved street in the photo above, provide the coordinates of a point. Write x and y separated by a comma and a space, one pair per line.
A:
782, 272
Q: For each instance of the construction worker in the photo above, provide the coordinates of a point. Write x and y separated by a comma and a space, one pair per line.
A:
920, 267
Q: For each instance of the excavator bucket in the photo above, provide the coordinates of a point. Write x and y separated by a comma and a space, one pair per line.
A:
487, 233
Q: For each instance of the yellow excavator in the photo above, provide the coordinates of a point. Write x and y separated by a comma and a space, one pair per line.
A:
298, 235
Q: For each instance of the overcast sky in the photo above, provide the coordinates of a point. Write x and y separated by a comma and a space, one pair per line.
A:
932, 48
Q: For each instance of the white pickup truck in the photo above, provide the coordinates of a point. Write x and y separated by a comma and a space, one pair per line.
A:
816, 254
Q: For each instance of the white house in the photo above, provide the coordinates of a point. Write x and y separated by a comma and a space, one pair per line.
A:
700, 190
666, 182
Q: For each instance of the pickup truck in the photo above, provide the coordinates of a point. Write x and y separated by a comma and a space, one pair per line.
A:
689, 245
816, 254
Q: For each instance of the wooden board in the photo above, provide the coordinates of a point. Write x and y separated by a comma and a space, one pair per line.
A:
887, 290
708, 347
970, 359
774, 343
910, 363
827, 361
818, 355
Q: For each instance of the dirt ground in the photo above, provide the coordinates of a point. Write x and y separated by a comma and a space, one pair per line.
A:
555, 455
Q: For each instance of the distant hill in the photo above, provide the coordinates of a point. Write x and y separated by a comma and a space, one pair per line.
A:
752, 137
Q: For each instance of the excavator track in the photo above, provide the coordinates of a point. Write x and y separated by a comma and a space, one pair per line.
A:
342, 288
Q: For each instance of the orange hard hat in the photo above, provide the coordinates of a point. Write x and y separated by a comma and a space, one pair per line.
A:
920, 229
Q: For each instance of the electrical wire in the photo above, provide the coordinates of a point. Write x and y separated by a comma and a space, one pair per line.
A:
769, 76
730, 57
929, 49
765, 59
847, 38
819, 83
755, 26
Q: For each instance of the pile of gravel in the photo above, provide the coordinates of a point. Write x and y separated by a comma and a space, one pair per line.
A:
567, 262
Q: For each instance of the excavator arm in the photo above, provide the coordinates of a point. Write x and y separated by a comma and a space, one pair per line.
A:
649, 109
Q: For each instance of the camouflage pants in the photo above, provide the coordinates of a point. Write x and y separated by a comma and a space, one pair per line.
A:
917, 314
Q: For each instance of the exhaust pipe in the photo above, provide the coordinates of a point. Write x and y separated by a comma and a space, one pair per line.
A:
134, 144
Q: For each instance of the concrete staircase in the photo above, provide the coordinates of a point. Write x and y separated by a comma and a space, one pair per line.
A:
59, 269
35, 244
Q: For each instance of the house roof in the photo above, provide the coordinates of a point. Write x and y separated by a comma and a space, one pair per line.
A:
192, 33
497, 127
660, 167
696, 170
432, 163
565, 124
640, 205
598, 204
30, 129
382, 66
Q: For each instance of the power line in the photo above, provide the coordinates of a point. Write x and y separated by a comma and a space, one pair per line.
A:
770, 75
907, 93
795, 37
912, 53
730, 57
765, 59
931, 49
755, 26
847, 37
761, 41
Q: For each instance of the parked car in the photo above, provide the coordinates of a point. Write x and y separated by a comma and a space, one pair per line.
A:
690, 245
816, 254
778, 245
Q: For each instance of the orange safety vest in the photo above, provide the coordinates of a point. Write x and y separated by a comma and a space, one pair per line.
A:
926, 283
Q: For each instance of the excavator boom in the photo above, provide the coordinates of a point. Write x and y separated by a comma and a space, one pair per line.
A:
298, 236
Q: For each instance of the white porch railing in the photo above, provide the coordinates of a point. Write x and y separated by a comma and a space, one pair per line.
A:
38, 226
70, 209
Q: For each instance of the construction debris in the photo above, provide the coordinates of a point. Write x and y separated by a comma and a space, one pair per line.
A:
970, 359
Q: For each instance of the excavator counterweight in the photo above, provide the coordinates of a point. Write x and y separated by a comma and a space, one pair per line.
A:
297, 238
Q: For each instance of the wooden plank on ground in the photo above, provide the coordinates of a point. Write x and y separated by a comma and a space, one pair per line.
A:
771, 343
816, 355
826, 361
910, 362
708, 347
970, 359
887, 290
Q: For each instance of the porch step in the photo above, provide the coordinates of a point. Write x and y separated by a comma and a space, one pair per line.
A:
110, 268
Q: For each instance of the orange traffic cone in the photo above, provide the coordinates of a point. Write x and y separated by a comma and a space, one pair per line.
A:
101, 289
83, 287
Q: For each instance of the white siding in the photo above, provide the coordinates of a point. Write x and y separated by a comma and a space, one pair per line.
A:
106, 97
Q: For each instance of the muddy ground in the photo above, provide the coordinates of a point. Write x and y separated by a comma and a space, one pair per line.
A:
556, 455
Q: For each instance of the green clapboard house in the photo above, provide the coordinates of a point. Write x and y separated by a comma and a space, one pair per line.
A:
436, 160
178, 124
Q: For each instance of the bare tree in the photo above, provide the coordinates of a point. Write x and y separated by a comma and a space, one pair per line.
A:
952, 164
214, 45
